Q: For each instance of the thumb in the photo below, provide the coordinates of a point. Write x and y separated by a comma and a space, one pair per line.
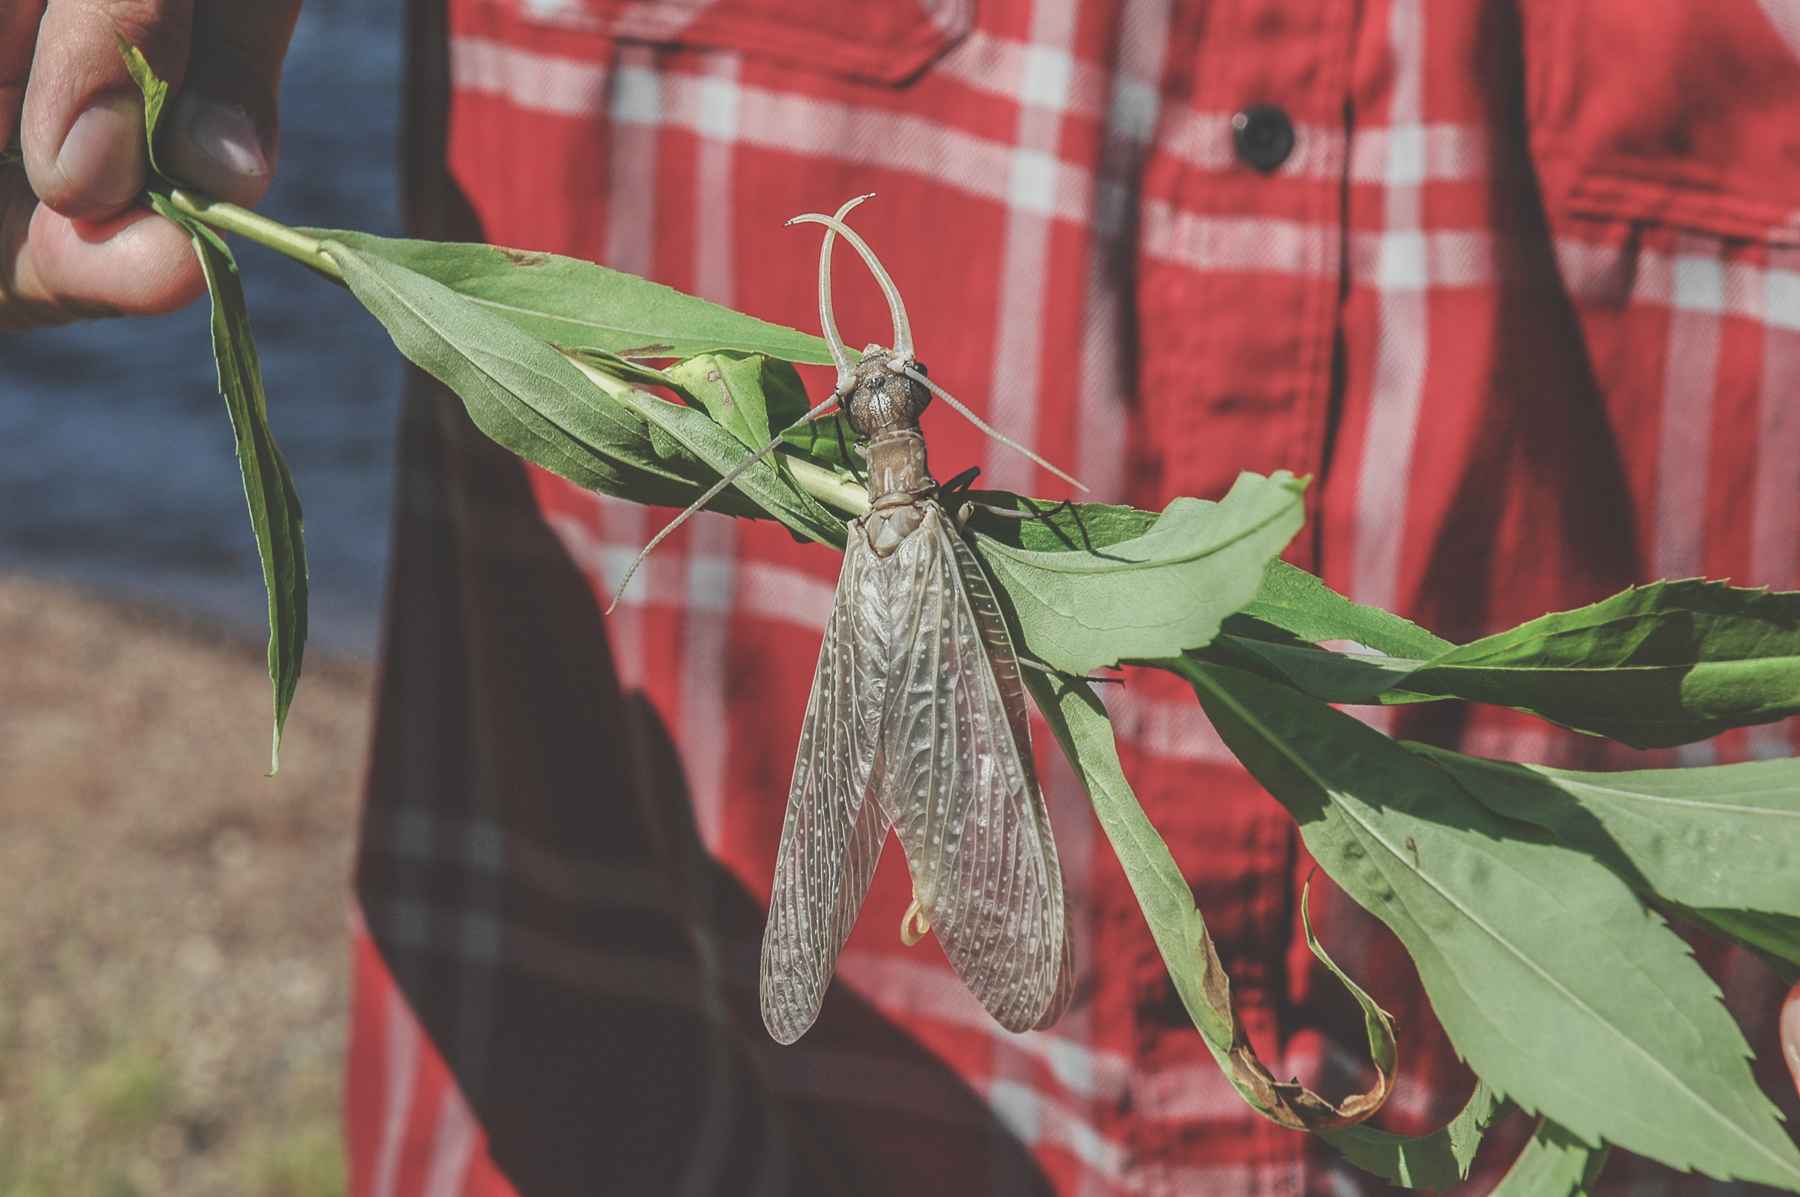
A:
83, 125
1790, 1033
223, 133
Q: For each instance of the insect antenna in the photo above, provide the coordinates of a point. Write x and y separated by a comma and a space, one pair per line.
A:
903, 361
840, 353
958, 406
732, 475
903, 346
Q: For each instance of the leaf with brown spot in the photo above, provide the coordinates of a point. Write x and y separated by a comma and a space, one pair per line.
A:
1083, 730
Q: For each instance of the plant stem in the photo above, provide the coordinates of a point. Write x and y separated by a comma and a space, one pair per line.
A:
827, 486
247, 224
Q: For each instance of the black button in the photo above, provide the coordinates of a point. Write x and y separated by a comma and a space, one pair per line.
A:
1264, 136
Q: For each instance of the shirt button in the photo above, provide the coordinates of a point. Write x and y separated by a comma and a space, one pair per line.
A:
1264, 136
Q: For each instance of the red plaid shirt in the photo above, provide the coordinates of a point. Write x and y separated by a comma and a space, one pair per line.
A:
1522, 295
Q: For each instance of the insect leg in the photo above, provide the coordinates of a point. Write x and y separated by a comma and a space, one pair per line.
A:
1030, 663
961, 482
914, 924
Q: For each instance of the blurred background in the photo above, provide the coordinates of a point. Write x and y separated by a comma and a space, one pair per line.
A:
172, 952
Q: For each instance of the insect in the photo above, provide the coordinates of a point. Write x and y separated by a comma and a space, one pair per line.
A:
917, 723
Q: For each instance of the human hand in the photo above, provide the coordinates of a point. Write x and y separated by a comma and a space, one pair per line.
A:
72, 242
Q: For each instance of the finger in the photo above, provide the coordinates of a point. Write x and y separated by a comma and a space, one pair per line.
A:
223, 134
83, 125
1790, 1033
18, 34
53, 269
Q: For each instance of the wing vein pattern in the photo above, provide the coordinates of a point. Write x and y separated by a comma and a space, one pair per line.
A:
832, 835
954, 775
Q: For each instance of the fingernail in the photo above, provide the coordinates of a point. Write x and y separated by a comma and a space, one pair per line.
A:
102, 158
225, 135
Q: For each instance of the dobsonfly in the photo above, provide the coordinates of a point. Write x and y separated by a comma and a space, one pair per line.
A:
917, 722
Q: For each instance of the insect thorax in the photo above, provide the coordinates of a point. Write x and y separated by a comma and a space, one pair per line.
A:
883, 409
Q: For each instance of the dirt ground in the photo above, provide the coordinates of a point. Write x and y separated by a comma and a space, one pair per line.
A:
172, 923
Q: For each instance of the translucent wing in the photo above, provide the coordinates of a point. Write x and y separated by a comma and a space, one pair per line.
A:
955, 775
833, 832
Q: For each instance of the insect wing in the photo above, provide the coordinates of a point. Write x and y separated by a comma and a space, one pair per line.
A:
833, 832
957, 782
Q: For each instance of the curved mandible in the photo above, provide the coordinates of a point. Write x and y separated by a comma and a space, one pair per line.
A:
840, 352
903, 344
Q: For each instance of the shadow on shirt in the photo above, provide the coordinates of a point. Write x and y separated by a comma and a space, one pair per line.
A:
532, 876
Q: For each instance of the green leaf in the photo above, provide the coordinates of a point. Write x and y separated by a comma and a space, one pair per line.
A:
1156, 594
1435, 1161
828, 439
1654, 666
1554, 1164
1085, 735
1341, 677
765, 484
577, 305
1550, 977
156, 95
1725, 835
622, 368
524, 394
268, 488
1299, 603
1047, 527
738, 390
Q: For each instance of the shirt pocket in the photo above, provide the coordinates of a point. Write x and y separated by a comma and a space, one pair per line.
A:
881, 41
1668, 112
1665, 135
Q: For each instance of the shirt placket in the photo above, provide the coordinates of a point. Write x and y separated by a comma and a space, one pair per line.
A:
1241, 246
1240, 261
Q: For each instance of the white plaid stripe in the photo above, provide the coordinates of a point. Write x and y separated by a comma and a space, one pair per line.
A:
1034, 184
1402, 275
712, 563
1401, 156
1248, 244
1046, 76
762, 589
538, 82
1013, 397
1082, 1070
1774, 548
1131, 113
1240, 1180
401, 1039
1034, 1118
453, 1142
1690, 377
644, 20
1612, 275
635, 98
1785, 16
1033, 178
